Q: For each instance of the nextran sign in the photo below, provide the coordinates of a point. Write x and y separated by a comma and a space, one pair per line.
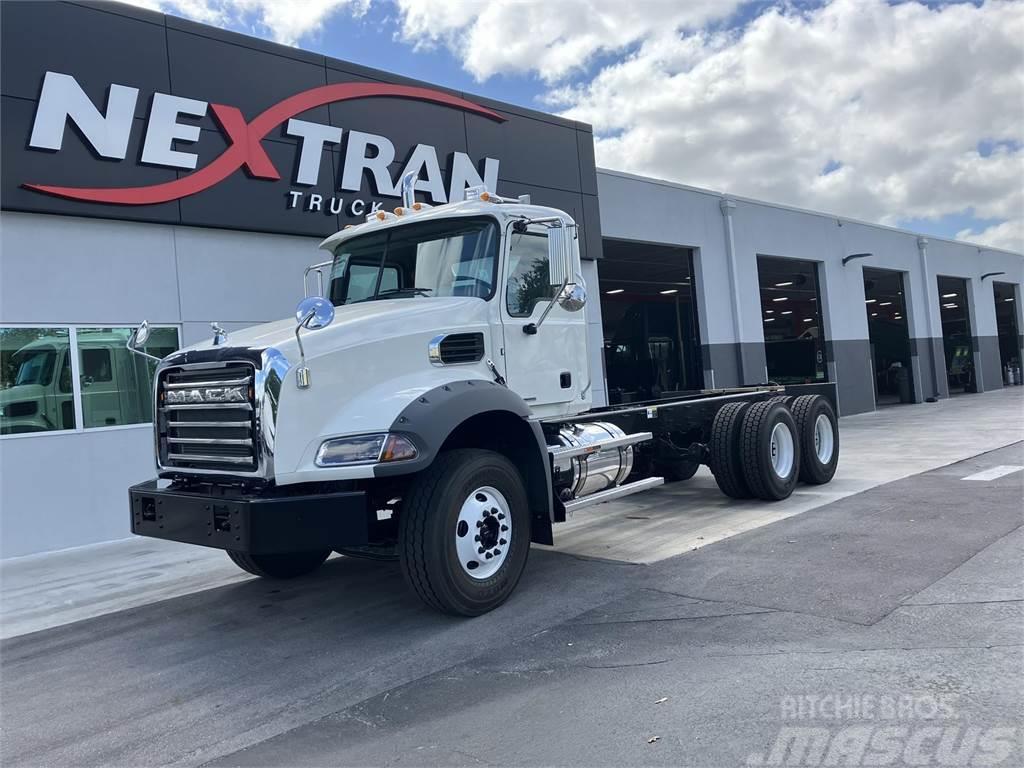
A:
168, 133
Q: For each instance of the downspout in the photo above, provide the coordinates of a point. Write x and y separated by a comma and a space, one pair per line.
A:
922, 248
728, 206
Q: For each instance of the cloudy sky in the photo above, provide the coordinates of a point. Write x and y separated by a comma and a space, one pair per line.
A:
905, 113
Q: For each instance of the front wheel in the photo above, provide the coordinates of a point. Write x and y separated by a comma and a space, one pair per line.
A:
464, 532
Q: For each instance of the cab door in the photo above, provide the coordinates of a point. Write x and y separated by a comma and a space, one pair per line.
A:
548, 368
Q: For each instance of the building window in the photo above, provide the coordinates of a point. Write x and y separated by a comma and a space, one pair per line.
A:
38, 367
35, 380
529, 273
794, 344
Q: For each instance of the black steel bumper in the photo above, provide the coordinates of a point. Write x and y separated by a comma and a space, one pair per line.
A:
258, 524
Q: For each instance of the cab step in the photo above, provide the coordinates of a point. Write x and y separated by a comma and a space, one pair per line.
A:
614, 493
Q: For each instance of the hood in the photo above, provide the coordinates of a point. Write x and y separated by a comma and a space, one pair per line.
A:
356, 324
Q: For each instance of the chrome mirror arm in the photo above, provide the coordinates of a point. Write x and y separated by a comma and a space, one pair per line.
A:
136, 351
302, 377
530, 329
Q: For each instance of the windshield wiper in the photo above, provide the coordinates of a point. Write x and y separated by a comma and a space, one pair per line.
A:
399, 291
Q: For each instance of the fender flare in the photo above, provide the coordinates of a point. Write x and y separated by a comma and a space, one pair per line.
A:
431, 418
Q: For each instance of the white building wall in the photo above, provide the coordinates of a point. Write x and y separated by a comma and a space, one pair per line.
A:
67, 489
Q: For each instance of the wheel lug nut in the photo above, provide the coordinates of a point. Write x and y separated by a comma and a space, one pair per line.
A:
488, 555
504, 528
479, 524
494, 510
481, 551
501, 515
476, 538
503, 542
496, 552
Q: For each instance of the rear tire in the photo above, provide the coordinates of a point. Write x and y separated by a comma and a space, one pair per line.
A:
288, 565
770, 450
447, 515
724, 449
819, 438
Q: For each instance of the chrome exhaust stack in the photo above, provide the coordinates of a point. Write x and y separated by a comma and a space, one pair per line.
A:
408, 186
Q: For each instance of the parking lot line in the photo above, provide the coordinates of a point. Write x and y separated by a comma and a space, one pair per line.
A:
994, 473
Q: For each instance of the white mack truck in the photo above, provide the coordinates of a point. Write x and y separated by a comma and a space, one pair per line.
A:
435, 406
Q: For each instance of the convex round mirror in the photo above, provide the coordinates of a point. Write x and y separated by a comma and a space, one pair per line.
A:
314, 312
573, 298
141, 334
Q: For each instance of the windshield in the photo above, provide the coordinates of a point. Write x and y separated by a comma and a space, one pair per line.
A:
435, 258
35, 366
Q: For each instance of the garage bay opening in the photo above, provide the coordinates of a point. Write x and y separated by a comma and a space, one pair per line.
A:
889, 335
651, 337
794, 345
1008, 330
956, 335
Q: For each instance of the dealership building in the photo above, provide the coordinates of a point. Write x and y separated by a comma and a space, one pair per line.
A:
155, 168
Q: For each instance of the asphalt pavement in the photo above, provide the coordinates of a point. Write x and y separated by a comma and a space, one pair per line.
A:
885, 628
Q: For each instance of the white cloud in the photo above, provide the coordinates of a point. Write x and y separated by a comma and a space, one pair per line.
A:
1009, 234
553, 39
284, 21
893, 99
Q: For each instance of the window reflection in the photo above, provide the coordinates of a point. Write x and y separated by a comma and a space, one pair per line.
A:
117, 385
35, 380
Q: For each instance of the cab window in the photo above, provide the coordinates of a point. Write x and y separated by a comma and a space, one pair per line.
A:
529, 273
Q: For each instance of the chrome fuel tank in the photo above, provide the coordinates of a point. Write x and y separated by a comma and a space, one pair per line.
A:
598, 471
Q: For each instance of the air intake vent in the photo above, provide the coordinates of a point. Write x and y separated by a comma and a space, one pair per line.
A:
458, 348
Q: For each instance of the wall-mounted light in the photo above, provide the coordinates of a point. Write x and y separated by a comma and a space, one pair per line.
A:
852, 256
991, 274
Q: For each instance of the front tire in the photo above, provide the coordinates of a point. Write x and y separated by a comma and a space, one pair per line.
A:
288, 565
469, 500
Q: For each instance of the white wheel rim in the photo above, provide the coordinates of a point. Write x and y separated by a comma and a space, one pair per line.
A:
824, 438
483, 533
782, 450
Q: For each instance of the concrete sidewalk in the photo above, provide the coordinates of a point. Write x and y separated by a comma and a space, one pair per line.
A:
54, 589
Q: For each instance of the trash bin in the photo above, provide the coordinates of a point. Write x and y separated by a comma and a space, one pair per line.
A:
903, 385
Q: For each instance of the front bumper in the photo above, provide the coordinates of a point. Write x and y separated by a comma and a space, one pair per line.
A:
265, 523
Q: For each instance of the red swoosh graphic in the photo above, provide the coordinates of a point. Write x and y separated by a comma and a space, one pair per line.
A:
246, 150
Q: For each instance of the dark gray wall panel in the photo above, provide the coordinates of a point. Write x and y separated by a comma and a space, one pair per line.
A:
404, 121
74, 165
252, 80
931, 355
539, 153
852, 358
547, 156
722, 364
95, 47
239, 200
988, 362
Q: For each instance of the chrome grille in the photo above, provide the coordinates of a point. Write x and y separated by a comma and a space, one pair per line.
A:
199, 434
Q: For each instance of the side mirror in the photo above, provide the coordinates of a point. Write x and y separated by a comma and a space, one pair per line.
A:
573, 297
560, 255
313, 312
141, 335
138, 340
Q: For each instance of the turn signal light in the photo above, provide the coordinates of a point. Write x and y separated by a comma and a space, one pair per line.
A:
397, 448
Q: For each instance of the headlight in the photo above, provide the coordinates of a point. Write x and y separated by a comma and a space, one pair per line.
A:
364, 449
